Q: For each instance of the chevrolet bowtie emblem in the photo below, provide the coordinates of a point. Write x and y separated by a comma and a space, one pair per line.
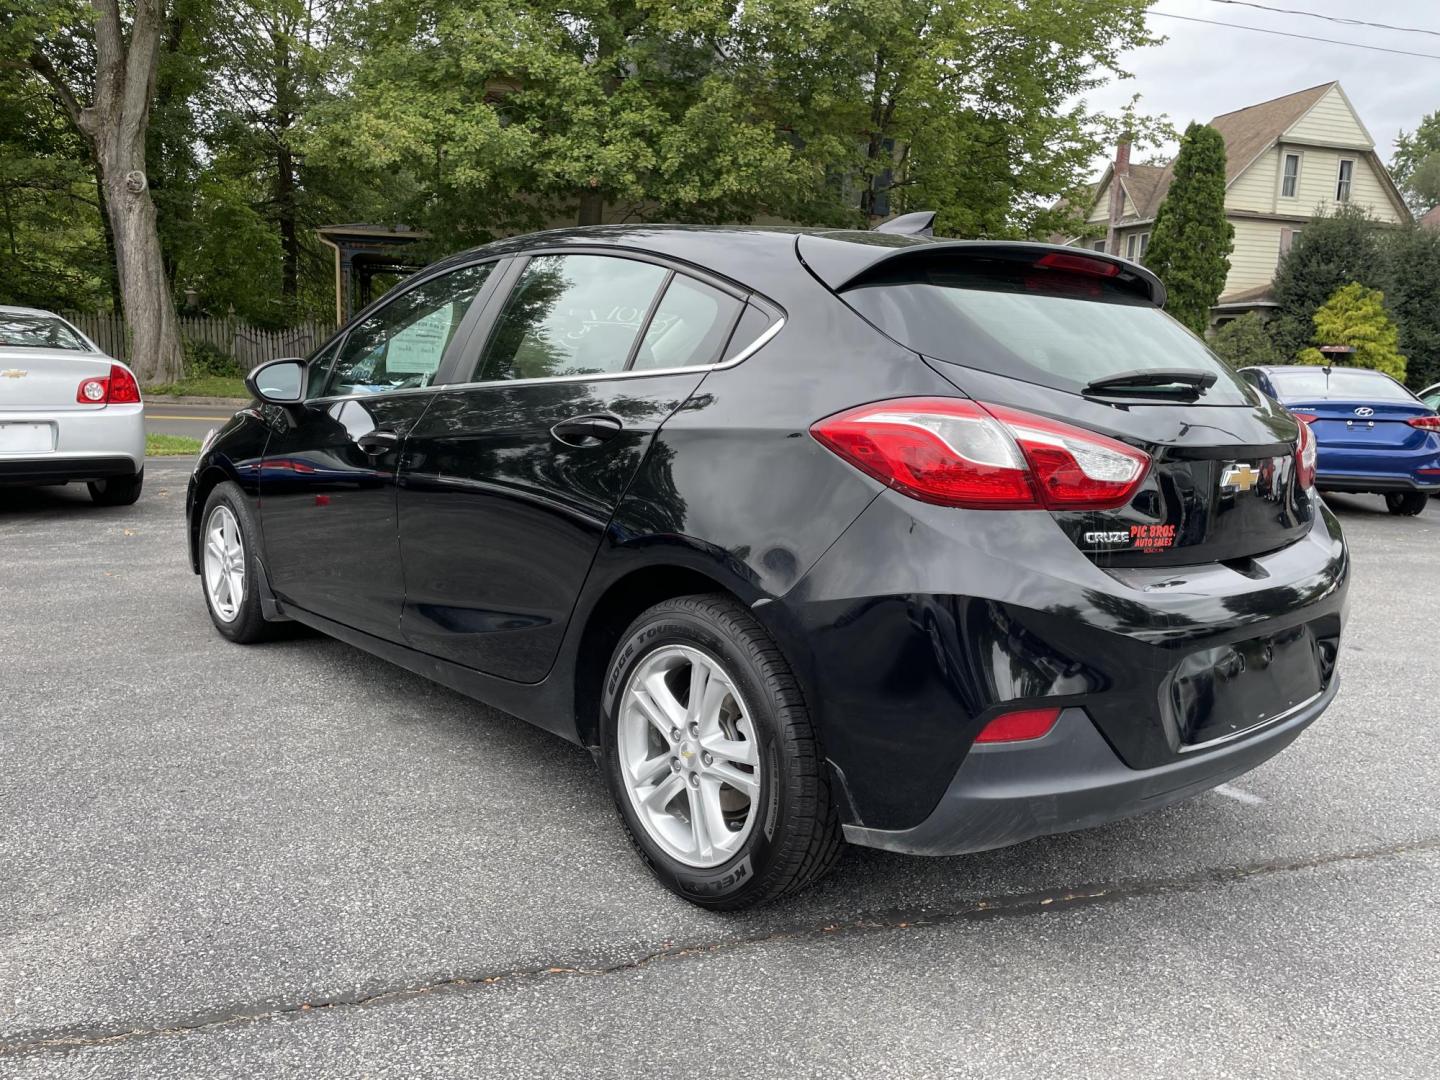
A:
13, 373
1241, 477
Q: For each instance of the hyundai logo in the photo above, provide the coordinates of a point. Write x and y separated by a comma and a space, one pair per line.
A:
1364, 410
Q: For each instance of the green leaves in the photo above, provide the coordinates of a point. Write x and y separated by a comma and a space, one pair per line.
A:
1356, 316
1192, 239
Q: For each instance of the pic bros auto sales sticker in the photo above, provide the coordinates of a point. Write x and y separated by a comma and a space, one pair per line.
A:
1152, 537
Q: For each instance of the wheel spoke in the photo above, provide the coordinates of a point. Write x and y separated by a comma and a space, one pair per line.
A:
212, 547
740, 751
237, 586
707, 820
699, 680
747, 783
657, 797
660, 694
652, 712
649, 770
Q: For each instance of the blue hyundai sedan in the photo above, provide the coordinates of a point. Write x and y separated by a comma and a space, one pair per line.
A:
1371, 434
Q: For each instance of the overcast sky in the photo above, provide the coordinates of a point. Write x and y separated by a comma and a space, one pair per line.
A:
1202, 71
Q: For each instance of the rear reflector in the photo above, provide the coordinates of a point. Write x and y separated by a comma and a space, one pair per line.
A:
958, 452
117, 388
1079, 264
1425, 423
1019, 726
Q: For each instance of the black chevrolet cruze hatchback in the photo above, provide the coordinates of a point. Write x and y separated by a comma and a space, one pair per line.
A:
931, 546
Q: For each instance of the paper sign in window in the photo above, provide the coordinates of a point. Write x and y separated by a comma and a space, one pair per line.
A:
417, 349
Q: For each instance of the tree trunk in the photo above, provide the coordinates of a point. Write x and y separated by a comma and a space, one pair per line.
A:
112, 279
592, 207
156, 352
285, 209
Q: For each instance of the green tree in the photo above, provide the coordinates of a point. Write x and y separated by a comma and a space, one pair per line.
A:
100, 60
1356, 316
1416, 164
1191, 241
1412, 294
1334, 249
1245, 342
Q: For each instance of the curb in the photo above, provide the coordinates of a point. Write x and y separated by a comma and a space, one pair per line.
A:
187, 399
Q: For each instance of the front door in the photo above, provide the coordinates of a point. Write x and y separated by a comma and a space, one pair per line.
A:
327, 487
510, 482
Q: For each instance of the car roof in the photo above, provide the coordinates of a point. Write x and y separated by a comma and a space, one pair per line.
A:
18, 309
763, 256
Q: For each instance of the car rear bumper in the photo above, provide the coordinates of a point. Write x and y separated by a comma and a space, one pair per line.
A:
1071, 779
88, 445
1362, 484
922, 624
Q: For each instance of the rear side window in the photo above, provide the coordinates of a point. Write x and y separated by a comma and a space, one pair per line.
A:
1058, 330
690, 326
1340, 384
571, 315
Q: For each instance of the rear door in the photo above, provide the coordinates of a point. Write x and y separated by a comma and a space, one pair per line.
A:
512, 476
1008, 330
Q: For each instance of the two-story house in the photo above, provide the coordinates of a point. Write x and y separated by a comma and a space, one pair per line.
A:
1285, 160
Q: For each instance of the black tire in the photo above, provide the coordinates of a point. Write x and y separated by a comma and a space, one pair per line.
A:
249, 625
117, 490
796, 837
1406, 503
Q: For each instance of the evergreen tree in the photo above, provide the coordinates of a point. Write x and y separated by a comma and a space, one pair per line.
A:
1332, 250
1412, 293
1356, 316
1244, 342
1190, 244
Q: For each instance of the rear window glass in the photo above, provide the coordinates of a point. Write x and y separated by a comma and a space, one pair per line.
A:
1342, 384
1059, 331
24, 331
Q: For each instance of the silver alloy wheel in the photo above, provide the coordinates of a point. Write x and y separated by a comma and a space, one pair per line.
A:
688, 755
224, 564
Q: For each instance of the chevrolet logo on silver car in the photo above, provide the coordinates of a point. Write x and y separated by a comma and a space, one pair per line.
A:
68, 412
1239, 476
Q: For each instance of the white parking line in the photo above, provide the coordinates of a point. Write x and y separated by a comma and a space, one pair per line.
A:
1238, 794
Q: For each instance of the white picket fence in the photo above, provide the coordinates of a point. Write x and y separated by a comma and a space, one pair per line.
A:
249, 345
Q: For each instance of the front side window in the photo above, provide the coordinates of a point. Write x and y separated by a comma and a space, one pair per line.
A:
571, 315
400, 345
24, 330
1343, 180
1290, 182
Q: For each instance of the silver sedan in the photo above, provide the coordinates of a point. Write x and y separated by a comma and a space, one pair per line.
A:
68, 412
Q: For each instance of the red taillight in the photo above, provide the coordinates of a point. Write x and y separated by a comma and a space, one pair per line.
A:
1305, 456
1425, 423
1078, 264
1305, 417
1019, 726
117, 388
956, 452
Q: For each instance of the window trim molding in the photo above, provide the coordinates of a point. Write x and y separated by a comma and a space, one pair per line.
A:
1299, 156
1339, 174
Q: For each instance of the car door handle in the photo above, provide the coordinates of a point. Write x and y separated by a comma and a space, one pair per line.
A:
376, 443
587, 430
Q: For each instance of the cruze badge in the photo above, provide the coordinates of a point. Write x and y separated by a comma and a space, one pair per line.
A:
1364, 410
13, 373
1117, 537
1241, 477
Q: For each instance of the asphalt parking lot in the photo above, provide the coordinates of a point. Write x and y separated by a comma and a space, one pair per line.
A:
295, 860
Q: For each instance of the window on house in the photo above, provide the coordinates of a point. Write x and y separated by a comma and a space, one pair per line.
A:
1342, 181
1287, 240
1291, 182
1099, 245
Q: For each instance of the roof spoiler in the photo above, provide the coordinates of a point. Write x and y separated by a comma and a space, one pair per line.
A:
920, 223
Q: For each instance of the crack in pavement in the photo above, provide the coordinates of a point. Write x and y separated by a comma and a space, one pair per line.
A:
1014, 905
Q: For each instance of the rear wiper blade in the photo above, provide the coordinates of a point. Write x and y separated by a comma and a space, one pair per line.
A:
1150, 382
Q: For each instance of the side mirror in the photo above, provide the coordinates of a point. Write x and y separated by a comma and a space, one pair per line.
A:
278, 382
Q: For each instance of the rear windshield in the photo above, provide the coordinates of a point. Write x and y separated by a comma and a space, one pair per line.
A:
1061, 331
1343, 384
23, 331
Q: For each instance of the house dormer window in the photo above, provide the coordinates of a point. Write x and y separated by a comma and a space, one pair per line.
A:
1290, 182
1343, 179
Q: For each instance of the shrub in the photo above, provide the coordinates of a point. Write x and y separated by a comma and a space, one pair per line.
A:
1356, 316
